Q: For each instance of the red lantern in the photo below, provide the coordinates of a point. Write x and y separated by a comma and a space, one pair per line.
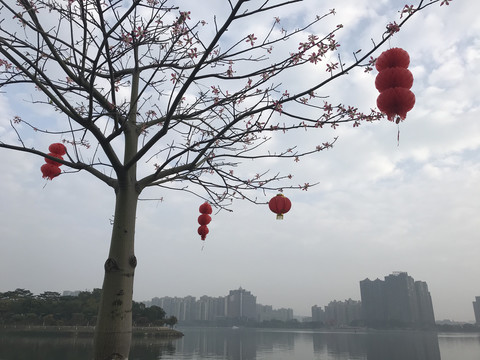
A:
394, 57
57, 148
393, 82
203, 231
204, 219
52, 168
394, 77
50, 171
280, 205
53, 162
205, 208
396, 101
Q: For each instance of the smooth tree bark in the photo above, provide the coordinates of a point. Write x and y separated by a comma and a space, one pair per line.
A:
113, 331
149, 81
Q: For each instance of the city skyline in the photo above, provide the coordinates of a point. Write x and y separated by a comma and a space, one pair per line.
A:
320, 312
237, 304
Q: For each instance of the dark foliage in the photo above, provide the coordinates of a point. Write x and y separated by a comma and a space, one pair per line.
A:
21, 307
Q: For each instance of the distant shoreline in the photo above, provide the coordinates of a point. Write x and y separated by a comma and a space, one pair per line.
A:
87, 331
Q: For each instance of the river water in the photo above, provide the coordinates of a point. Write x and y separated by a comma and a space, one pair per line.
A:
259, 344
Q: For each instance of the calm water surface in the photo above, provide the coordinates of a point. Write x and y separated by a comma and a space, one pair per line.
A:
260, 344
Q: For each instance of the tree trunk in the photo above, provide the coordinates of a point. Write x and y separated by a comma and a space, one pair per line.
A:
113, 331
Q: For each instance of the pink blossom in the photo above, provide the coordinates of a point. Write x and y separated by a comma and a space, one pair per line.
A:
407, 10
393, 28
331, 67
305, 186
315, 57
277, 106
295, 57
251, 39
230, 71
193, 53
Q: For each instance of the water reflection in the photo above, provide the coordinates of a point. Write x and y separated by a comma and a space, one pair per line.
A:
341, 343
55, 347
251, 344
44, 347
151, 348
379, 345
221, 343
403, 346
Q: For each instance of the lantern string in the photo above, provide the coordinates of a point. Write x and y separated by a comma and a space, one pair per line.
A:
398, 134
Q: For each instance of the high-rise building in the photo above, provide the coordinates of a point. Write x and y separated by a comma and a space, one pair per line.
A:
210, 308
424, 302
267, 313
241, 304
372, 295
318, 314
476, 309
398, 301
182, 308
238, 304
341, 313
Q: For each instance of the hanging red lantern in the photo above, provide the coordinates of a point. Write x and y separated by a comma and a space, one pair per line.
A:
396, 101
50, 171
394, 77
393, 82
280, 205
51, 168
203, 231
205, 208
204, 219
53, 162
394, 57
57, 148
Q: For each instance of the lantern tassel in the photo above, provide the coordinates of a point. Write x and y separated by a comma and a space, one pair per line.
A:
398, 134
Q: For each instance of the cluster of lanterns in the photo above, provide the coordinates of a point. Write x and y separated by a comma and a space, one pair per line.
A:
279, 204
204, 219
393, 82
51, 168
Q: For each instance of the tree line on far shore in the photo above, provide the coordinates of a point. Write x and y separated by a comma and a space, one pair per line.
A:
22, 307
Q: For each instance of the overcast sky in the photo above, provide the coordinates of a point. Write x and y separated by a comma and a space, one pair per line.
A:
380, 206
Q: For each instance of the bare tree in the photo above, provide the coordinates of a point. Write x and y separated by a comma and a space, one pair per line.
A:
148, 82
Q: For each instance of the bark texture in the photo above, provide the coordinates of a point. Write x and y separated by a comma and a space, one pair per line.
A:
113, 331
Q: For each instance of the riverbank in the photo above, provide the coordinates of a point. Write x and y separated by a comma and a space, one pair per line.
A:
87, 331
